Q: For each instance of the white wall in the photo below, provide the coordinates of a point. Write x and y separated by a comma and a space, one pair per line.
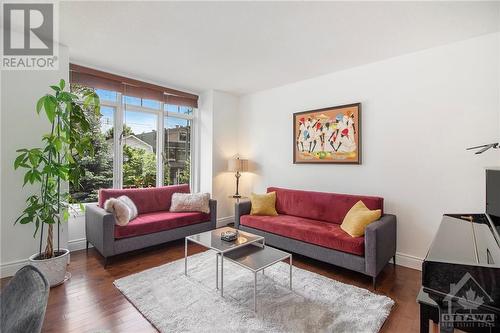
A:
21, 127
225, 148
218, 143
420, 112
205, 128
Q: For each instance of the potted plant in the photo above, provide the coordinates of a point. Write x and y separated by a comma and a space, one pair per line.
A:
51, 167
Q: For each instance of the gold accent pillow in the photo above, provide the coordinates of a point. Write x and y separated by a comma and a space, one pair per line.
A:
357, 218
263, 204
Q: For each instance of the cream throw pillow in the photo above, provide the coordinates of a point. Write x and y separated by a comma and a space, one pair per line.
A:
123, 208
190, 202
358, 217
131, 206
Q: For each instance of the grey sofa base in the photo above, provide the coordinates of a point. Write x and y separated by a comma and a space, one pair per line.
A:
334, 257
100, 227
141, 242
343, 259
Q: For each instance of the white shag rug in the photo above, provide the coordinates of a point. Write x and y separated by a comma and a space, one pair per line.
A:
173, 302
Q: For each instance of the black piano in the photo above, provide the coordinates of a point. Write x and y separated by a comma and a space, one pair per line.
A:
461, 272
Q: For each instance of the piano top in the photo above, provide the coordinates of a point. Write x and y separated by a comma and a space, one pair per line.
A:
464, 254
461, 241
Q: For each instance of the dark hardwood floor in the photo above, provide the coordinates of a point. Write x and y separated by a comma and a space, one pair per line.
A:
89, 302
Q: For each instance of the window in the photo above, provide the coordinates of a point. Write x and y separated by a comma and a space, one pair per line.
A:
187, 110
99, 168
106, 95
138, 141
139, 149
177, 148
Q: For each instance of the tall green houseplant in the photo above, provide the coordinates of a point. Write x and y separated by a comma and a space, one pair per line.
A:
55, 162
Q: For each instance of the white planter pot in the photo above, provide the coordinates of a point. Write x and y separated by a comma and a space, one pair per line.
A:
54, 269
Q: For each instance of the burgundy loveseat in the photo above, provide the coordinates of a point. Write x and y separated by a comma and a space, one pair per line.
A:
154, 225
309, 224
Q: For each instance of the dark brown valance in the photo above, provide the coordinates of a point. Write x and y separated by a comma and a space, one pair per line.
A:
130, 87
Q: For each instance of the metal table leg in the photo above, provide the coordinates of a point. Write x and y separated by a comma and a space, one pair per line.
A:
255, 291
222, 274
291, 272
216, 271
185, 256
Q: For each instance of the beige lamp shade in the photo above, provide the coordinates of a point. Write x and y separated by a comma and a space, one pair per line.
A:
237, 165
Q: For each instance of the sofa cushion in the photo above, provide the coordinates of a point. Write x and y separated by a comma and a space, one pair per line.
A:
320, 233
263, 204
120, 211
328, 207
147, 200
148, 223
358, 218
187, 202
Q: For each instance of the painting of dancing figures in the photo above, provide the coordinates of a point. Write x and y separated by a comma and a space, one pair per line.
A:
330, 135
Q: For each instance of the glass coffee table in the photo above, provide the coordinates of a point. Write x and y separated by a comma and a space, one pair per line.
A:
211, 239
248, 251
256, 259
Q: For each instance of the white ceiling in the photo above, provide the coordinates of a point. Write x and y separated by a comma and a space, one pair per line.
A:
242, 47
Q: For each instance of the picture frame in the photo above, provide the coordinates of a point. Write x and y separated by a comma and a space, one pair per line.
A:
328, 136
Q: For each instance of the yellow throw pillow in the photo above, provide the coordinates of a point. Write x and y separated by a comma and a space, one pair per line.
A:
263, 204
357, 218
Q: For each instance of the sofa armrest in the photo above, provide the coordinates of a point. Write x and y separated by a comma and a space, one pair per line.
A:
100, 229
240, 209
380, 243
213, 213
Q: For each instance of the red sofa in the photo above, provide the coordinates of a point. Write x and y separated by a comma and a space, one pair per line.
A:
155, 224
309, 223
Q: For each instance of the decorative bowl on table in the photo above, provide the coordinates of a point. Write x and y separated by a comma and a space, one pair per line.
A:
229, 236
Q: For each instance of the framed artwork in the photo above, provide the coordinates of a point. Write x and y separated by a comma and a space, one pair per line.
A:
329, 135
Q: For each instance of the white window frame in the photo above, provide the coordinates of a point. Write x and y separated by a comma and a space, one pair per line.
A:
119, 117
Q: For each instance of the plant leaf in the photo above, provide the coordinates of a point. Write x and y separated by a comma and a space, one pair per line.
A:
65, 215
26, 220
39, 104
58, 143
50, 107
34, 157
27, 176
62, 84
19, 160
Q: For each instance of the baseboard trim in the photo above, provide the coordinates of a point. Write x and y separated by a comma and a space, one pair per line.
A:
77, 244
223, 221
10, 268
407, 260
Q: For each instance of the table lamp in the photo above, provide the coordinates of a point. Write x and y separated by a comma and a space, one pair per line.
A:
237, 165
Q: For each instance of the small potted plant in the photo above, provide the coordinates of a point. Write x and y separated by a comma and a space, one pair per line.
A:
51, 167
